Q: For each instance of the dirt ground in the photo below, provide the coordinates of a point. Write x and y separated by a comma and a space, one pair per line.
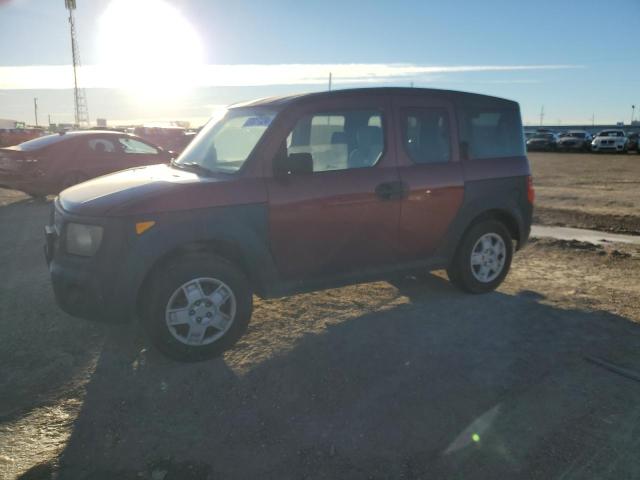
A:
600, 192
408, 379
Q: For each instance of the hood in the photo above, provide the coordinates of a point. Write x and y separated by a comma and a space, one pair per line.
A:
153, 189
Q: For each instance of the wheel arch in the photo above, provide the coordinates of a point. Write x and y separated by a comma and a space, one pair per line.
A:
218, 247
506, 215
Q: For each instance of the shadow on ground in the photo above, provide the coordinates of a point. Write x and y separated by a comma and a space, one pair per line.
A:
445, 386
42, 350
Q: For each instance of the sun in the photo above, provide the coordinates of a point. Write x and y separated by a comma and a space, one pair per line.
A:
149, 47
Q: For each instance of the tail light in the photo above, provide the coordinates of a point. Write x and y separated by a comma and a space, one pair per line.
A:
531, 193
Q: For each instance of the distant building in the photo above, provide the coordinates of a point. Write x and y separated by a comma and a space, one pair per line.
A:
101, 122
8, 124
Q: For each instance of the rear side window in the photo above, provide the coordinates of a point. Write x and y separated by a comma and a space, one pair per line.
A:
426, 135
339, 140
491, 133
101, 145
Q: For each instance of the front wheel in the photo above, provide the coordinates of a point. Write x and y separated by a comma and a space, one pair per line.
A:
483, 258
197, 307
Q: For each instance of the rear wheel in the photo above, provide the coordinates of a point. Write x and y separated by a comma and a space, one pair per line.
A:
483, 258
197, 307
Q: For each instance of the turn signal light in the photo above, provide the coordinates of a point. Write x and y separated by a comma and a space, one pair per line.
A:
142, 227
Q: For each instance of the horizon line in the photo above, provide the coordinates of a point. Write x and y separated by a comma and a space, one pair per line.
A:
58, 77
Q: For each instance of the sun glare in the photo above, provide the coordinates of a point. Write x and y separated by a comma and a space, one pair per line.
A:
149, 46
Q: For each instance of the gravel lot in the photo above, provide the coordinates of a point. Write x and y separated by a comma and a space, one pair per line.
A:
584, 190
409, 379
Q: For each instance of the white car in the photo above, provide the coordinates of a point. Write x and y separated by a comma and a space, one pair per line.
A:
610, 141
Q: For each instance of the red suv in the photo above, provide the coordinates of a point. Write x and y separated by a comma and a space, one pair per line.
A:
291, 194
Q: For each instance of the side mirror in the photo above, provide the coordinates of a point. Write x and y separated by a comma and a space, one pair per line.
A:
295, 163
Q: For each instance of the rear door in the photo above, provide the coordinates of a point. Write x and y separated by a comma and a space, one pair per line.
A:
341, 215
97, 155
429, 166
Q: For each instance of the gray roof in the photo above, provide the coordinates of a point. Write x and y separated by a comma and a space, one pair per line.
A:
456, 96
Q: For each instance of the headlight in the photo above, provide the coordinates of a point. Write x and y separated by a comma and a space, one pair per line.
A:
83, 239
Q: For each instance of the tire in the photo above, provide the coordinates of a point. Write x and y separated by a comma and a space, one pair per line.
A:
166, 301
71, 179
465, 276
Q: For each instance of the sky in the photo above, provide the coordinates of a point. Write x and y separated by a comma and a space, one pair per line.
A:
149, 60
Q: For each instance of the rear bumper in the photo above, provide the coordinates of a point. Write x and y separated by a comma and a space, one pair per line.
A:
25, 183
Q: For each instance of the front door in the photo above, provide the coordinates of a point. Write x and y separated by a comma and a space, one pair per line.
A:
429, 165
137, 153
339, 215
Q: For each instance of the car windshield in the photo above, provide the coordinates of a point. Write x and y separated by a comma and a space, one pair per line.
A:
41, 142
610, 134
576, 134
225, 143
545, 136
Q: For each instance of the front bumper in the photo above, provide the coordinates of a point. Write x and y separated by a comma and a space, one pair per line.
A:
540, 146
85, 287
607, 148
571, 146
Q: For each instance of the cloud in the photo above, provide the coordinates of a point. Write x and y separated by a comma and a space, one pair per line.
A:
101, 76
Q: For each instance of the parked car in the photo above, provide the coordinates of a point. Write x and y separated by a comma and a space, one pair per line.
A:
48, 164
543, 141
610, 141
171, 138
290, 194
633, 141
574, 140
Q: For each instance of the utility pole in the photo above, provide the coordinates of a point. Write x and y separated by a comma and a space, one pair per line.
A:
329, 81
35, 108
49, 118
80, 100
541, 115
633, 111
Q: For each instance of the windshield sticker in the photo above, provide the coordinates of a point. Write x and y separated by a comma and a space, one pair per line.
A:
261, 121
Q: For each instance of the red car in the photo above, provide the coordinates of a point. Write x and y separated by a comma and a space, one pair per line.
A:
49, 164
296, 193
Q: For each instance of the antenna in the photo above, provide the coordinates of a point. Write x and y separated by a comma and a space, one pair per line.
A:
80, 99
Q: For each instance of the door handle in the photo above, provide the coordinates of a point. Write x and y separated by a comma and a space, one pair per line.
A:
393, 190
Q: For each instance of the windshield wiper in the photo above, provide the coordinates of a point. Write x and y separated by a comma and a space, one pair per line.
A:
194, 167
